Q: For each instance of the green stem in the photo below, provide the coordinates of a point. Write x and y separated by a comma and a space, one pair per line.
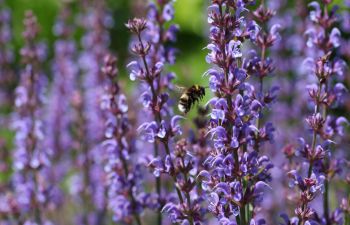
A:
310, 170
32, 142
326, 183
187, 195
347, 214
325, 200
314, 137
158, 187
313, 146
258, 120
178, 191
158, 119
238, 218
126, 172
243, 216
37, 214
167, 150
248, 212
190, 218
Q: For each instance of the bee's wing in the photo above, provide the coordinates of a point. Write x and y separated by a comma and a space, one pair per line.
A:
180, 88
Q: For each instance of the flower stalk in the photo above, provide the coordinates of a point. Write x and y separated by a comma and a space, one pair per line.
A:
323, 39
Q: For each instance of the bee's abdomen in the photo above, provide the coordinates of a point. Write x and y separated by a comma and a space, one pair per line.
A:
184, 103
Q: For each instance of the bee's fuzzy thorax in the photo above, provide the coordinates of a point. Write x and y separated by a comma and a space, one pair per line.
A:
190, 97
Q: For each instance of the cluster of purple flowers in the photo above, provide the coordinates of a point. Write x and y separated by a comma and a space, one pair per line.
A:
170, 157
123, 178
6, 56
238, 172
60, 115
86, 149
31, 160
326, 93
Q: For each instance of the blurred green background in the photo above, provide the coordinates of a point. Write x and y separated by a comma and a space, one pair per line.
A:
190, 15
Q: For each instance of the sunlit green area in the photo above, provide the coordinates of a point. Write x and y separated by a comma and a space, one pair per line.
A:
189, 15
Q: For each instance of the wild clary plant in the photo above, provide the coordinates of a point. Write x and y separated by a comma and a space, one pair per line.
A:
326, 93
238, 172
90, 147
32, 166
163, 128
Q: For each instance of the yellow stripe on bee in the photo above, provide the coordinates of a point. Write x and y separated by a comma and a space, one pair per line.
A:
184, 97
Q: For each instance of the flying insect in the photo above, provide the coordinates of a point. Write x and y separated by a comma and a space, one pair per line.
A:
189, 97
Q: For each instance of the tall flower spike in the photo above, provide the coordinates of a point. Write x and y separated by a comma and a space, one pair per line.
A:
31, 160
123, 176
95, 21
326, 69
7, 77
235, 171
287, 54
153, 47
261, 66
59, 110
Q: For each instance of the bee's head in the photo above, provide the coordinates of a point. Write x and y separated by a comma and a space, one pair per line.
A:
202, 90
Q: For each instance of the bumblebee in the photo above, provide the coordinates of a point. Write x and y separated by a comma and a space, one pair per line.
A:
189, 97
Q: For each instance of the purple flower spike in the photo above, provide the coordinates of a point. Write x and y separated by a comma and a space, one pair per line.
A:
32, 178
123, 177
325, 70
234, 113
153, 48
